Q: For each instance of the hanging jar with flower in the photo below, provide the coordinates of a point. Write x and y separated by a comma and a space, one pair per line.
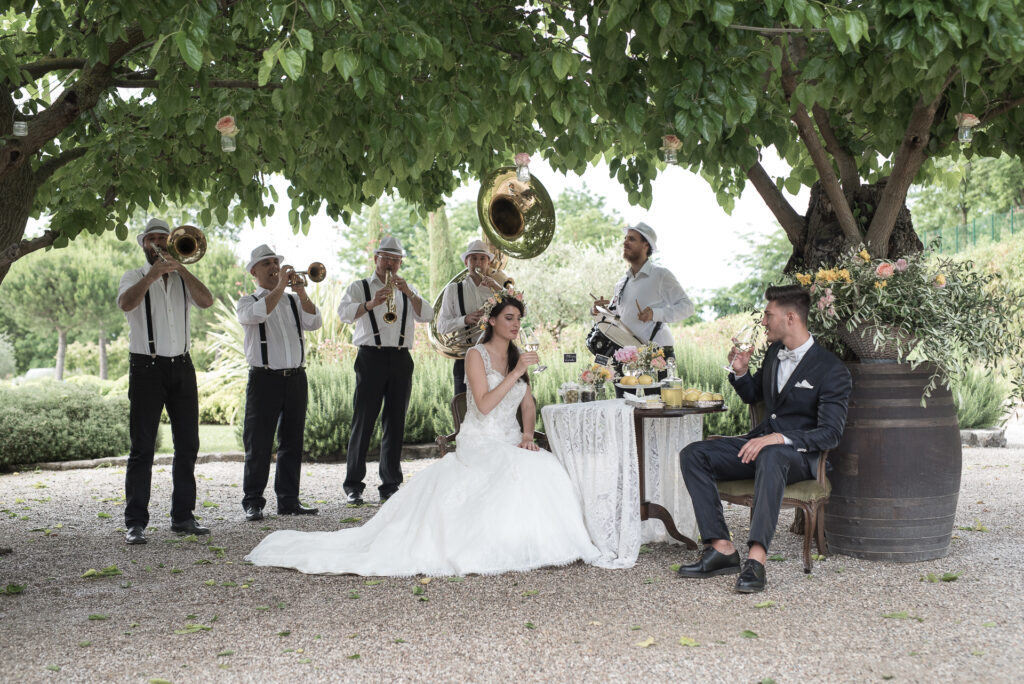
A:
228, 130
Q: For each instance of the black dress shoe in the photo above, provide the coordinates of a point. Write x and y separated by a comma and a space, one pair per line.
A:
752, 579
297, 509
712, 563
253, 513
135, 535
189, 526
354, 498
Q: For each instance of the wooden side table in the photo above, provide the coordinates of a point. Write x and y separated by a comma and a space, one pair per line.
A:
649, 509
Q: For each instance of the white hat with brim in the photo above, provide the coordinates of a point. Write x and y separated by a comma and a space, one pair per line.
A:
259, 254
154, 225
476, 247
390, 246
646, 232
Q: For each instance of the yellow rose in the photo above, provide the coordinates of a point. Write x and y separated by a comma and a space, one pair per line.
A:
803, 279
940, 280
863, 254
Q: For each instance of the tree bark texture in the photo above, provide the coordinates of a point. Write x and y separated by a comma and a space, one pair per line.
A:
103, 355
62, 349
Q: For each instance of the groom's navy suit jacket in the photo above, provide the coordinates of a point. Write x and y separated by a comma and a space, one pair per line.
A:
810, 409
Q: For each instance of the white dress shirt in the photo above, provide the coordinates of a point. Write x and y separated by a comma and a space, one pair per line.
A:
449, 319
788, 361
655, 287
170, 302
284, 347
362, 334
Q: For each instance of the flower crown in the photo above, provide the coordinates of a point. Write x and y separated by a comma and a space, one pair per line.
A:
498, 298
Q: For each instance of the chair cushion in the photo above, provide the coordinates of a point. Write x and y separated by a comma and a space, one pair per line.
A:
805, 490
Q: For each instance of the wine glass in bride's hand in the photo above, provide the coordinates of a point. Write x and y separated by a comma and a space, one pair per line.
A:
531, 343
742, 342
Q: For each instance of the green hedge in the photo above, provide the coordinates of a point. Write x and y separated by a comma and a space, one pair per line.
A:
981, 400
54, 421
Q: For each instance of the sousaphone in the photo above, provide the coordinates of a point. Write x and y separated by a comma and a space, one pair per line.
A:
518, 221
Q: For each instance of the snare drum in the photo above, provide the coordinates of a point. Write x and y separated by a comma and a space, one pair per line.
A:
610, 334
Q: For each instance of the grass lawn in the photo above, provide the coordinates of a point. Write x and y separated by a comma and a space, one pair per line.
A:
212, 438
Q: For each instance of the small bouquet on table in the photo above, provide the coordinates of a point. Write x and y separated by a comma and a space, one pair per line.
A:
593, 378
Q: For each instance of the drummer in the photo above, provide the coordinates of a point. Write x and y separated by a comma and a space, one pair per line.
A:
648, 297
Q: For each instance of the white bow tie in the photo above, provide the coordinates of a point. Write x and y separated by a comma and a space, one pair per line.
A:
788, 355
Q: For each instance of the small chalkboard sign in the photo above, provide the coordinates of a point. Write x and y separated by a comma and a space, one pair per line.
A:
602, 360
568, 358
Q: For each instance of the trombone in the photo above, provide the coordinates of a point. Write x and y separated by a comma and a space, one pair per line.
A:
315, 272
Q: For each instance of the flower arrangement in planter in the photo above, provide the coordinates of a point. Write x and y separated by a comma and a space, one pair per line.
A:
916, 308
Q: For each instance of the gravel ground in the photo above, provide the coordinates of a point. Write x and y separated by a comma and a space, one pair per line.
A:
563, 624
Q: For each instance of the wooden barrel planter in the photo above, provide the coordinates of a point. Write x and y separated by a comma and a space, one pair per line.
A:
896, 473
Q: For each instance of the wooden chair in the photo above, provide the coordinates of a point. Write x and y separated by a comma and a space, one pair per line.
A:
458, 406
809, 496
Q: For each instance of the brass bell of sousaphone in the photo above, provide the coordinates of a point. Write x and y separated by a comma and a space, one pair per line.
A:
518, 220
187, 244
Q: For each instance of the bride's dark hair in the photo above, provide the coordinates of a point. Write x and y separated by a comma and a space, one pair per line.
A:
513, 350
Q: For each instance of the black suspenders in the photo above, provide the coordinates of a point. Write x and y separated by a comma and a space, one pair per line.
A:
298, 326
462, 302
618, 296
373, 319
149, 321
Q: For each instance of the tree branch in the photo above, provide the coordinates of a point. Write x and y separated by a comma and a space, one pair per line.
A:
20, 249
48, 167
1001, 109
223, 83
848, 173
47, 64
809, 136
793, 223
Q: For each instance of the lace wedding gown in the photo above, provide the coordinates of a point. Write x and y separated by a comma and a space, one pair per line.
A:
489, 507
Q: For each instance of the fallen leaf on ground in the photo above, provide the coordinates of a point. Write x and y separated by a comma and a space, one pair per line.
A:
748, 634
649, 641
687, 641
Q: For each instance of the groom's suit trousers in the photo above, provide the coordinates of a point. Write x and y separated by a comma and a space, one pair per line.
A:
383, 379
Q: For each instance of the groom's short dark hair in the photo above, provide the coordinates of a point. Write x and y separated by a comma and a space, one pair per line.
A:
791, 297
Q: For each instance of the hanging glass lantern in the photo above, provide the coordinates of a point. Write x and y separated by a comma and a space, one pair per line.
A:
228, 130
965, 128
670, 146
523, 167
20, 128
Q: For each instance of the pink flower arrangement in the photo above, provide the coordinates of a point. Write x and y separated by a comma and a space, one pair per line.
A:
522, 159
226, 126
884, 270
626, 355
659, 363
671, 142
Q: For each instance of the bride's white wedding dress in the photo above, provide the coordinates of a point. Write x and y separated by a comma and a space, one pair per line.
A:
489, 507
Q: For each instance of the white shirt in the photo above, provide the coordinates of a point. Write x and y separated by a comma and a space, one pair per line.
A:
787, 366
362, 334
284, 348
655, 287
450, 319
169, 303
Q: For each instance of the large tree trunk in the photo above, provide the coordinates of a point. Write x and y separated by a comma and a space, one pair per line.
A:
17, 192
824, 242
103, 355
62, 348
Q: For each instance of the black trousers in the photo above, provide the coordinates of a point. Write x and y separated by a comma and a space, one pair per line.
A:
273, 403
459, 376
383, 377
152, 385
670, 352
706, 462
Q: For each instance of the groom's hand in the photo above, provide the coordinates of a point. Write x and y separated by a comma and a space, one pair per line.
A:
753, 447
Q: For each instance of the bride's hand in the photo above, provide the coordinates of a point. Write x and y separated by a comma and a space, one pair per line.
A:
526, 359
529, 445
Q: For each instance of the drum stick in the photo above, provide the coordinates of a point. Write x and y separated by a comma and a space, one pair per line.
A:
639, 310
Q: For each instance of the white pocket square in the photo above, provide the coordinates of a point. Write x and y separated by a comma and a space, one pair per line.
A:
803, 384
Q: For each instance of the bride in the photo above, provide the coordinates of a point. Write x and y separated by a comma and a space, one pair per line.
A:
497, 504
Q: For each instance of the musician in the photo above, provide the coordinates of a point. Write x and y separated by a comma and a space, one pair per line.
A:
275, 398
648, 297
156, 300
383, 366
462, 304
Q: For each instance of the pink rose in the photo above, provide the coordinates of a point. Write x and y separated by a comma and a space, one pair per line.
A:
522, 159
832, 312
885, 270
821, 304
658, 362
901, 265
226, 126
671, 142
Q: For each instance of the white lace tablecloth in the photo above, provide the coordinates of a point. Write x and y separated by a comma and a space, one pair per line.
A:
596, 443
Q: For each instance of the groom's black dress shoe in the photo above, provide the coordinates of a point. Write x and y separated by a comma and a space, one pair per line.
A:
253, 513
712, 563
297, 509
189, 526
752, 579
135, 535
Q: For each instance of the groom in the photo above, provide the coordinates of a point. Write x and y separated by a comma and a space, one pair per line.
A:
805, 390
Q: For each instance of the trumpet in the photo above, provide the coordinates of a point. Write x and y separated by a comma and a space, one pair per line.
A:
390, 316
186, 244
316, 272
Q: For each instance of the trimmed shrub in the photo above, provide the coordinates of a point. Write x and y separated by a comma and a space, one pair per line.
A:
55, 421
982, 401
220, 407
